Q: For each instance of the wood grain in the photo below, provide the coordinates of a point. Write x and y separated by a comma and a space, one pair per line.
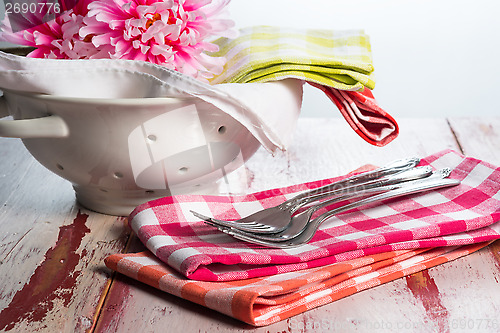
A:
51, 250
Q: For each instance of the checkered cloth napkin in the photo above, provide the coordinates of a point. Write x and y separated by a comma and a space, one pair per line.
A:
266, 300
464, 214
332, 61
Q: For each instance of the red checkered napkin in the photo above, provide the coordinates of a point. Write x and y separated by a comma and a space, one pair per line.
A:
459, 215
263, 301
363, 113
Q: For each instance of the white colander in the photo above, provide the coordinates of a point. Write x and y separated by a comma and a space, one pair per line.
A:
119, 153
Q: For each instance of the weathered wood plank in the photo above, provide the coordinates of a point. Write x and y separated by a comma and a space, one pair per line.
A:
51, 272
324, 148
15, 160
479, 137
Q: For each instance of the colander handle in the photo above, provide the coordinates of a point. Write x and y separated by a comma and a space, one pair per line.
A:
46, 127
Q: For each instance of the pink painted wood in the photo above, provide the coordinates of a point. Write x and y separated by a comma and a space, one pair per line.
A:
52, 276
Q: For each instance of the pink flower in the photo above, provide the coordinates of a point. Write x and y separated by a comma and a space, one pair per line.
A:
172, 33
57, 38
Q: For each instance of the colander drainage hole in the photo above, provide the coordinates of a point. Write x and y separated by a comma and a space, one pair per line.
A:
150, 192
152, 138
59, 166
183, 170
118, 175
222, 129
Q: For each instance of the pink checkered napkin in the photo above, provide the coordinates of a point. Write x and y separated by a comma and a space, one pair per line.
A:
464, 214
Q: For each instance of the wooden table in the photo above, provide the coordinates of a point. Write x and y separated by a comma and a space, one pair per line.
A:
52, 276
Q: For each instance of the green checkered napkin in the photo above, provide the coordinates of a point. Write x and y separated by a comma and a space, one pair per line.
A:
337, 59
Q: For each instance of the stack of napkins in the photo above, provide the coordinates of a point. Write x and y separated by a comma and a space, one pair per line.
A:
337, 62
350, 252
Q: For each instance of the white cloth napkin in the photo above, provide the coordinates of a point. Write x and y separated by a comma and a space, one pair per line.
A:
268, 110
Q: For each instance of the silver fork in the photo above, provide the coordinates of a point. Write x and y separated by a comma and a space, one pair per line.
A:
299, 221
280, 219
289, 206
302, 228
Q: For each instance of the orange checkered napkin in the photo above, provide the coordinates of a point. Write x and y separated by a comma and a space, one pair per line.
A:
266, 300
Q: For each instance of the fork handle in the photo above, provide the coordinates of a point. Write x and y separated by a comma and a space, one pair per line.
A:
358, 189
414, 176
420, 186
391, 168
398, 191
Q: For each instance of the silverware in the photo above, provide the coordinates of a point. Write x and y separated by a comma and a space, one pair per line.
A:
303, 228
261, 221
280, 219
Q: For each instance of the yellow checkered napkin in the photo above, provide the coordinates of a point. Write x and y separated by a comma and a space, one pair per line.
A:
337, 59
